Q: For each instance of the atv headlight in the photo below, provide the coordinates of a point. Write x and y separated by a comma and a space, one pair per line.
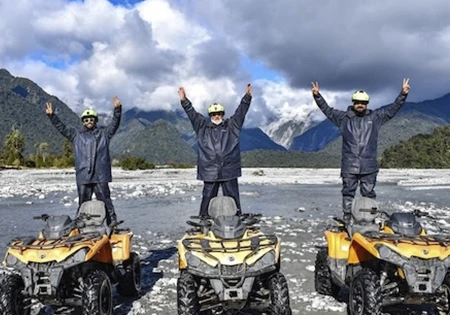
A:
75, 259
197, 265
13, 262
390, 255
267, 260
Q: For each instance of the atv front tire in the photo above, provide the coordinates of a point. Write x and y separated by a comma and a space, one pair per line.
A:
322, 275
130, 283
187, 298
11, 297
279, 295
97, 294
365, 293
443, 305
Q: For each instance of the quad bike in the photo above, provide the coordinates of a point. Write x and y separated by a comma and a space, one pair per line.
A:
227, 264
72, 263
385, 260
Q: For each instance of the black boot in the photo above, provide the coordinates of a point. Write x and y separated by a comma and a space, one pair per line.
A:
346, 218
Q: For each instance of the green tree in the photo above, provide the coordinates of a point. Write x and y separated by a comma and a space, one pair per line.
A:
42, 154
135, 163
421, 151
12, 151
68, 156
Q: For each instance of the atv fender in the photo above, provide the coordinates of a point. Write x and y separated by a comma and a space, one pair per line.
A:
338, 244
121, 245
361, 250
101, 251
338, 247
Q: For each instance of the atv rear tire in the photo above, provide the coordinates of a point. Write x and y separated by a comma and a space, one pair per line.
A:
130, 283
322, 275
97, 294
279, 295
187, 298
11, 297
365, 293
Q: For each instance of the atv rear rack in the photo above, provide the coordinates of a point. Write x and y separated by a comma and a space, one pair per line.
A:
42, 243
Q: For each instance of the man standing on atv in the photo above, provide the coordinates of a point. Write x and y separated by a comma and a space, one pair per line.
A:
219, 155
92, 159
359, 128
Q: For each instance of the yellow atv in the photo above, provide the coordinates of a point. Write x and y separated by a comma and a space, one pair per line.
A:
227, 264
390, 259
72, 263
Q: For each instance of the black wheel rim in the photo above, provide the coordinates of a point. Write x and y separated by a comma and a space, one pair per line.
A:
357, 297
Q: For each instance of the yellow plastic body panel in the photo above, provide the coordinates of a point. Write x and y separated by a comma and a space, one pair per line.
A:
363, 249
239, 256
338, 244
121, 245
101, 251
49, 250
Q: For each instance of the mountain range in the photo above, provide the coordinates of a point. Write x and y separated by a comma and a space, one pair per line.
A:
167, 136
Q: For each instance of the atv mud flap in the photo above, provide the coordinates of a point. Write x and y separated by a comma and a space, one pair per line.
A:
338, 268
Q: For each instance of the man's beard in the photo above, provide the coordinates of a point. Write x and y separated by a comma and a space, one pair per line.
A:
216, 122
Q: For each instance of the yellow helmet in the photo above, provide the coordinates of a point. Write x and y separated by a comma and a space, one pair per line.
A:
215, 108
89, 113
360, 96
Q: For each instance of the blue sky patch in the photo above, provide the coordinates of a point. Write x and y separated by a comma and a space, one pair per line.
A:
258, 70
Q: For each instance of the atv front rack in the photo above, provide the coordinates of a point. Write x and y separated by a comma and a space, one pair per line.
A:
443, 240
42, 243
234, 275
220, 246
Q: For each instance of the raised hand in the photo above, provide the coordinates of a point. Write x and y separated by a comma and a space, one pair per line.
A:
182, 93
116, 102
49, 109
248, 89
315, 88
405, 86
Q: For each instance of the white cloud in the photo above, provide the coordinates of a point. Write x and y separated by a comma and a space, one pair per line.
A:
143, 53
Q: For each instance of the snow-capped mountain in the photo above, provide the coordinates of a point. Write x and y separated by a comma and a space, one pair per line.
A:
284, 130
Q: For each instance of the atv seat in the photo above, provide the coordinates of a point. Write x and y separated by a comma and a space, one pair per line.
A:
96, 224
363, 218
222, 206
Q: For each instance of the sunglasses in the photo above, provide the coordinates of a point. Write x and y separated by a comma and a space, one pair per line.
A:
216, 114
88, 120
360, 103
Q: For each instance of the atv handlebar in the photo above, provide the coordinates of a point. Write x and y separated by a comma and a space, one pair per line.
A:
41, 217
420, 214
197, 224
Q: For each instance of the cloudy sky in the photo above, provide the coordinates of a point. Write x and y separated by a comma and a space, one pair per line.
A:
84, 52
